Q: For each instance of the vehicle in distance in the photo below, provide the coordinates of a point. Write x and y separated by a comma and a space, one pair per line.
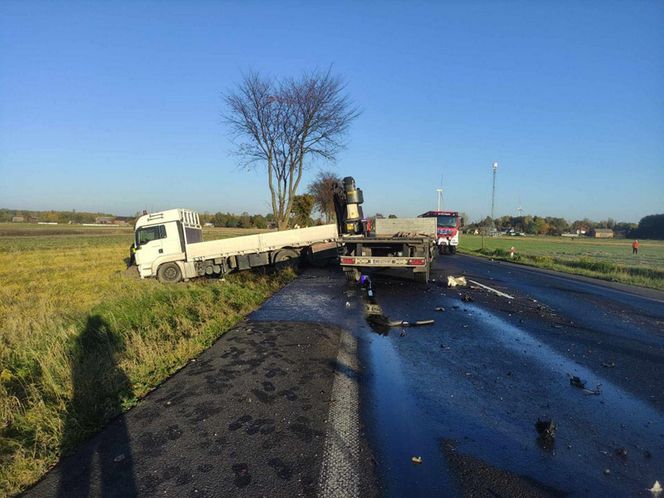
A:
448, 225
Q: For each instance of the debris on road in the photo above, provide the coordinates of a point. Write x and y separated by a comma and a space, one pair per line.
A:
656, 489
119, 458
593, 392
546, 429
607, 472
454, 281
609, 365
576, 381
621, 452
439, 308
404, 323
416, 459
467, 298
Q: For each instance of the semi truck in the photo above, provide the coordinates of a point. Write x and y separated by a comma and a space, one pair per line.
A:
169, 245
447, 232
404, 243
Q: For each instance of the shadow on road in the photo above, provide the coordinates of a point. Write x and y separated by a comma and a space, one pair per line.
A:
100, 466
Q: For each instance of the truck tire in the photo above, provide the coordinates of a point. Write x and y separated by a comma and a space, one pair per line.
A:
286, 258
169, 273
453, 249
352, 274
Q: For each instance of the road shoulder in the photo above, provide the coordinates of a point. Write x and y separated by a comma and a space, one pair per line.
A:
246, 417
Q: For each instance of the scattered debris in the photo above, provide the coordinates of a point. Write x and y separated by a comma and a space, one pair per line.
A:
404, 323
656, 489
607, 472
593, 392
416, 459
119, 458
347, 304
609, 365
621, 452
467, 298
576, 381
647, 454
440, 308
454, 281
403, 333
546, 429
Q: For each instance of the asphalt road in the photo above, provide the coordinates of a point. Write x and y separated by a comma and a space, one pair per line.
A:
314, 395
465, 393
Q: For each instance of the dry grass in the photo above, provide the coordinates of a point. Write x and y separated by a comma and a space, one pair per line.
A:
79, 342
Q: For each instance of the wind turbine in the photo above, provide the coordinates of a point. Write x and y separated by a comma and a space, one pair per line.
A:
439, 194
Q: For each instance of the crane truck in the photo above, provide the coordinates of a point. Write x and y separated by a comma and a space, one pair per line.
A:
403, 243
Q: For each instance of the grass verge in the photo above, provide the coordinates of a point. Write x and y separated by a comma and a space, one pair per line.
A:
581, 265
80, 343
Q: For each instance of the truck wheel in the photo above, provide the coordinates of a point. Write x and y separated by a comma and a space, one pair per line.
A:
169, 273
452, 249
352, 274
441, 249
286, 258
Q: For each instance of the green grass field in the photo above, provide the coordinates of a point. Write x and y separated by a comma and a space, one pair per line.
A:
80, 341
608, 259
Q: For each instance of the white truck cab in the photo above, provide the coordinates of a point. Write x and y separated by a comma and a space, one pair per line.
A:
163, 237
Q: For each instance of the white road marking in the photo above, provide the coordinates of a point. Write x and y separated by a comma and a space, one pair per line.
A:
492, 290
339, 473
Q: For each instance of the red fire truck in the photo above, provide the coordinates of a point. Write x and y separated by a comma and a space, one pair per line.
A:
448, 229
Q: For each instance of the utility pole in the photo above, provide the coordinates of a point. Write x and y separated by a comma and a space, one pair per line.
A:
440, 198
493, 193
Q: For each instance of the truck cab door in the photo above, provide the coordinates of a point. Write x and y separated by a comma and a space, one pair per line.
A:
149, 246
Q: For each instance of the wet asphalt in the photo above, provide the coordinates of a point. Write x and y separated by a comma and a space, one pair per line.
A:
251, 416
465, 393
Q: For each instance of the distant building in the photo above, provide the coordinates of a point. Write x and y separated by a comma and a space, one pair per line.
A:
104, 220
18, 219
602, 233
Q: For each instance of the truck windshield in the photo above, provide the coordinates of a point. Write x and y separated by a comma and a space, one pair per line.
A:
146, 234
447, 221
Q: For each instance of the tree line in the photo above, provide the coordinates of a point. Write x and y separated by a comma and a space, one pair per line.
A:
649, 227
62, 217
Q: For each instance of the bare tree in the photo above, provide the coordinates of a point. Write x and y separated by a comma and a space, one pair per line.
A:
322, 189
285, 124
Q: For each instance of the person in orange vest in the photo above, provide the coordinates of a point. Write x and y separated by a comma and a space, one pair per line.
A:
635, 247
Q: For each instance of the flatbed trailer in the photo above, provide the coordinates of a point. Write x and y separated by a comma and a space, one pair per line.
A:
169, 245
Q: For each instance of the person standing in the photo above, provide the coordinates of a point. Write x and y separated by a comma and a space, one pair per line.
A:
635, 247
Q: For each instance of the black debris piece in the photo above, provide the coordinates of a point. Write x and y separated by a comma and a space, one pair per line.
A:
545, 428
576, 382
621, 452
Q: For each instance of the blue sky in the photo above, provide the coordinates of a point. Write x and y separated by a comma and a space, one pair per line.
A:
115, 106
